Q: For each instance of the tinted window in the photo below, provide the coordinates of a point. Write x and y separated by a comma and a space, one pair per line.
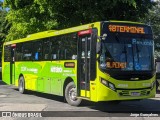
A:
64, 47
70, 47
7, 53
55, 50
46, 49
37, 50
19, 52
27, 51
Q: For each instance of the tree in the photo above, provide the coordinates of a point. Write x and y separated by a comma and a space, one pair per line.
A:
4, 26
85, 11
153, 19
27, 17
30, 16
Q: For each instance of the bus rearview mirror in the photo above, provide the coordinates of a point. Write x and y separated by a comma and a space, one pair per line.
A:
98, 47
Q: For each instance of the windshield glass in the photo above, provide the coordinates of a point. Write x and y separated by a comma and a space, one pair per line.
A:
128, 53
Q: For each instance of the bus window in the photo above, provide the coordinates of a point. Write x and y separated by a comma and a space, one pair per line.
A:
70, 51
7, 56
37, 50
54, 48
62, 47
19, 52
46, 49
27, 51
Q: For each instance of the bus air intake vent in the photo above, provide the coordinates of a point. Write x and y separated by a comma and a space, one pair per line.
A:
127, 93
124, 93
144, 92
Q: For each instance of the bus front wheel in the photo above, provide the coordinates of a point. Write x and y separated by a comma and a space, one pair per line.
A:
71, 95
21, 85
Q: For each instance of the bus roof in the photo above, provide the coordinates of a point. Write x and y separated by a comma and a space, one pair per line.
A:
50, 33
130, 22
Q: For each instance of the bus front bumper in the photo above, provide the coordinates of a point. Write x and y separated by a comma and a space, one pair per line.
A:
106, 94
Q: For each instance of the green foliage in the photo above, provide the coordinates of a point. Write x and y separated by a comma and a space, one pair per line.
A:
71, 12
26, 17
4, 26
30, 16
153, 19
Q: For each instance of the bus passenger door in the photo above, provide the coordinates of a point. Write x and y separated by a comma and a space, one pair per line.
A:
83, 66
86, 65
12, 64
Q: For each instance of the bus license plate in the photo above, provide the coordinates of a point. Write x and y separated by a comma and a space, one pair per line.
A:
135, 94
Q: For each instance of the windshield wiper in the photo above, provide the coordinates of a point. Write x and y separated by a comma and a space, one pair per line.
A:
125, 51
137, 49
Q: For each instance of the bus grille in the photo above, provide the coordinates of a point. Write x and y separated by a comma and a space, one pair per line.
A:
124, 93
128, 93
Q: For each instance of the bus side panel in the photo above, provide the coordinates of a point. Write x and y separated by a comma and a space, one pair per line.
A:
47, 76
6, 72
17, 73
52, 72
30, 72
55, 73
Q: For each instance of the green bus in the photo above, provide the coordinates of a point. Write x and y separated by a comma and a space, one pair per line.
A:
101, 61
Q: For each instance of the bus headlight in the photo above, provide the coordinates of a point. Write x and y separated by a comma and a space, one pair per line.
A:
104, 82
108, 84
112, 86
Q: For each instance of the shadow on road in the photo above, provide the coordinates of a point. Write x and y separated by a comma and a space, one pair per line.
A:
2, 83
143, 106
130, 106
55, 97
139, 106
44, 95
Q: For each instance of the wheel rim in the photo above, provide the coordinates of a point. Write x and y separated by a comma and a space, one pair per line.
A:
73, 94
20, 85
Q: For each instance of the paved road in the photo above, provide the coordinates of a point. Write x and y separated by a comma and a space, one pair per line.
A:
12, 100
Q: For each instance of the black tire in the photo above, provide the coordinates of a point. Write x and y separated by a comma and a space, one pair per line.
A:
21, 85
71, 95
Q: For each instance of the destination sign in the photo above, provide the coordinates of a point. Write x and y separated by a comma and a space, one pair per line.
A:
116, 64
69, 64
127, 29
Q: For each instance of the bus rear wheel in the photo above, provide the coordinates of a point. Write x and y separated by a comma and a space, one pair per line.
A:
21, 85
71, 95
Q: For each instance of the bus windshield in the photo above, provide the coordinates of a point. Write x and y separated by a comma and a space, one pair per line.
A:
127, 52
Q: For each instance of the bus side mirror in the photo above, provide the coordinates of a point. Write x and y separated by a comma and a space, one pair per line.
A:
101, 38
98, 47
